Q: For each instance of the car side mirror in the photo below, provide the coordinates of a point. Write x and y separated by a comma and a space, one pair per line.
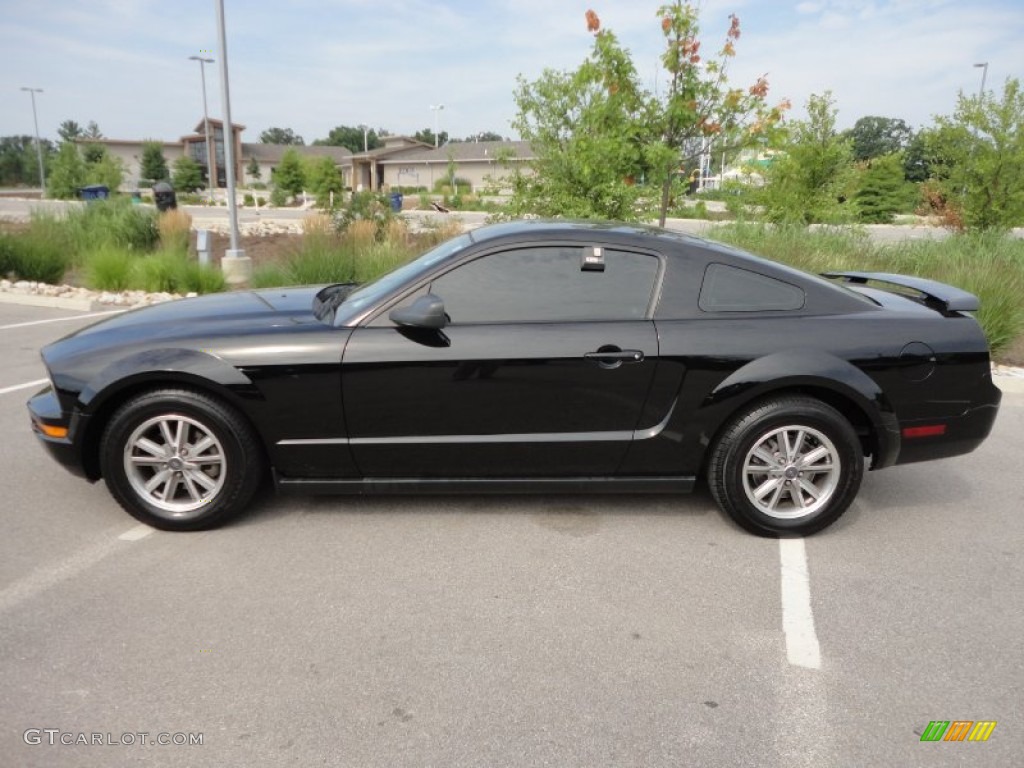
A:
426, 312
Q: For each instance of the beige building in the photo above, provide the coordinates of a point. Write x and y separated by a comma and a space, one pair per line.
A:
482, 164
403, 162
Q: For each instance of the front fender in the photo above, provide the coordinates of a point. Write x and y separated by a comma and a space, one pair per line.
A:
182, 364
810, 369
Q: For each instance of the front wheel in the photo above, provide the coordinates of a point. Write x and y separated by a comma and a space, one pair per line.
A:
180, 460
790, 465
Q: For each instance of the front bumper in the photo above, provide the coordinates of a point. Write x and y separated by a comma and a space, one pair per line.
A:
44, 410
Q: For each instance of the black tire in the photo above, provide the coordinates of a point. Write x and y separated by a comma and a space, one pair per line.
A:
200, 490
780, 500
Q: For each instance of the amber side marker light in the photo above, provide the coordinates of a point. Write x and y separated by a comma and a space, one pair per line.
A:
49, 431
931, 430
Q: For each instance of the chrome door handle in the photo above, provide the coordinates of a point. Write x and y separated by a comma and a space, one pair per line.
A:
613, 357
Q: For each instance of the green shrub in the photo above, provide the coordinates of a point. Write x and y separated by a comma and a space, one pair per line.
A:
260, 202
248, 199
42, 253
175, 272
114, 221
270, 276
278, 197
109, 268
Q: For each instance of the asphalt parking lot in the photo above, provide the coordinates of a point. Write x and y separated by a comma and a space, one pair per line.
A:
505, 631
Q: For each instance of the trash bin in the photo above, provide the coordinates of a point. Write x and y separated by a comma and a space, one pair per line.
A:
136, 197
396, 202
94, 192
163, 194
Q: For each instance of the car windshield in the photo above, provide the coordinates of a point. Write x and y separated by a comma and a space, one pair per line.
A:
371, 293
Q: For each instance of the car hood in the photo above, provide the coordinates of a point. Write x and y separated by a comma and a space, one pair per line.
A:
192, 323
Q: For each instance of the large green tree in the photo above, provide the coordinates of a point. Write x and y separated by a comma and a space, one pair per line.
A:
188, 175
427, 137
588, 132
882, 189
154, 164
352, 136
324, 178
814, 179
601, 140
69, 130
19, 164
67, 173
281, 136
978, 156
289, 174
103, 168
873, 136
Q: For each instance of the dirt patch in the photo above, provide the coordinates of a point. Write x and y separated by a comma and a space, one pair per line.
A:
262, 249
1013, 354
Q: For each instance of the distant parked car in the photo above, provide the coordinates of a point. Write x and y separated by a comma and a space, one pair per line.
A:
531, 356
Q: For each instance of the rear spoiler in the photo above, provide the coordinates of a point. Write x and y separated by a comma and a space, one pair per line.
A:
945, 298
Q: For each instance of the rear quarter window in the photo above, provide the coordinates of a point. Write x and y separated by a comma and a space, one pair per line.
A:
731, 289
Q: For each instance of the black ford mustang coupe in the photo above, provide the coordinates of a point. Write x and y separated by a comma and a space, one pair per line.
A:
531, 356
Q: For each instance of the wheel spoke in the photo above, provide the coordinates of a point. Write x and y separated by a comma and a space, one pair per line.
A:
771, 484
764, 455
798, 444
203, 479
179, 436
818, 453
150, 447
157, 480
796, 495
165, 431
190, 485
171, 488
213, 458
149, 461
202, 445
812, 490
776, 496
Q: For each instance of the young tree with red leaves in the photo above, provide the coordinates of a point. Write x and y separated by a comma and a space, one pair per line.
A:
596, 132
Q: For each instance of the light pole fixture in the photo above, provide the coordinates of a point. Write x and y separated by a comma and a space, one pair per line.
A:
984, 74
437, 113
211, 157
236, 265
39, 145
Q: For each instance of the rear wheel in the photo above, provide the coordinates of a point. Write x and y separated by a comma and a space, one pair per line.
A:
790, 465
180, 460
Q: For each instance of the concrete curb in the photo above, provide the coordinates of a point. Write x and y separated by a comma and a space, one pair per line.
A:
53, 302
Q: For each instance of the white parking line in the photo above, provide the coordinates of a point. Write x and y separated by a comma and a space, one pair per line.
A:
140, 531
62, 319
27, 385
47, 577
802, 649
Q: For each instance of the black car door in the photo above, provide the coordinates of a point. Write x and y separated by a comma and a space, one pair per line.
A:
542, 370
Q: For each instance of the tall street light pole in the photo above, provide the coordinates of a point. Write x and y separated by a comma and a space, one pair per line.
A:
236, 265
39, 145
984, 74
437, 114
211, 157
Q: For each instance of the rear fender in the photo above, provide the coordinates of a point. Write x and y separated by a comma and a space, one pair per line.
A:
803, 370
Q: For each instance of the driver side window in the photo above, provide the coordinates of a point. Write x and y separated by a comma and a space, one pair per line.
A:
544, 284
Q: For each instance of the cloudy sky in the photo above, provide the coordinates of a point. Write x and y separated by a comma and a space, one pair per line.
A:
312, 64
